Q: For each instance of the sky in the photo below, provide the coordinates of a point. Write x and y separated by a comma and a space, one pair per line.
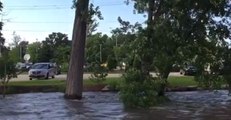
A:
34, 20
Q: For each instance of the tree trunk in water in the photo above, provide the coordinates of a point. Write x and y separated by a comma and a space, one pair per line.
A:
74, 87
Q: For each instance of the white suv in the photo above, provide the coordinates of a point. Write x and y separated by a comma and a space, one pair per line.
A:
42, 70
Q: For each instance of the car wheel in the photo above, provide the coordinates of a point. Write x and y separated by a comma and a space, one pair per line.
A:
30, 78
182, 72
53, 76
47, 76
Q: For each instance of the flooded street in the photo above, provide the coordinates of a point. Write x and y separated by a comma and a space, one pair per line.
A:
198, 105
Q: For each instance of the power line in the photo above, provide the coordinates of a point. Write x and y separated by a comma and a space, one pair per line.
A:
35, 6
52, 7
40, 31
22, 22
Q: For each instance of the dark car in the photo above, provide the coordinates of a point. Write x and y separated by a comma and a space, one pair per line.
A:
189, 70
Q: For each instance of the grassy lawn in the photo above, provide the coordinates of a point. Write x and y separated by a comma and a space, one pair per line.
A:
182, 81
173, 82
59, 85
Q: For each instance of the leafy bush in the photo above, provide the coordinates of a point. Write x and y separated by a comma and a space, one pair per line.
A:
209, 81
7, 68
114, 84
99, 73
64, 67
138, 92
7, 72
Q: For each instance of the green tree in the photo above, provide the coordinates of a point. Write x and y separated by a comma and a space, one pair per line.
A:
18, 49
2, 40
96, 48
93, 14
177, 31
97, 53
7, 70
33, 50
227, 67
51, 48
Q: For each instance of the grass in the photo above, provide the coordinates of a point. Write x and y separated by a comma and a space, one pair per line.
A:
59, 85
182, 81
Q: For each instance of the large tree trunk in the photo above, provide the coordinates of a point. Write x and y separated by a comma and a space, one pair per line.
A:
74, 85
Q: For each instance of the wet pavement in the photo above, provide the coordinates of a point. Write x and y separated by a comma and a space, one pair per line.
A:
197, 105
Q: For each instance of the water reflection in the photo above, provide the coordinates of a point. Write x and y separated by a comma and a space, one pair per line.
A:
199, 105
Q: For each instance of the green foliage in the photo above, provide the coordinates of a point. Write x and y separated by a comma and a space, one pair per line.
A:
64, 67
7, 70
114, 83
18, 51
14, 54
209, 81
33, 50
97, 49
177, 32
138, 92
111, 62
93, 13
99, 73
62, 54
55, 48
227, 67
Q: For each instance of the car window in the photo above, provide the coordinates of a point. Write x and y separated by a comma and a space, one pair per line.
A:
40, 66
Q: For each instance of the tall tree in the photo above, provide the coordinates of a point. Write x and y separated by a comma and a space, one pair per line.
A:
177, 30
74, 86
2, 40
7, 68
33, 50
16, 40
51, 47
93, 14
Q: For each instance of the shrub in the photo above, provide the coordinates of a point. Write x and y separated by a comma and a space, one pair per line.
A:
138, 92
7, 71
209, 81
99, 73
64, 67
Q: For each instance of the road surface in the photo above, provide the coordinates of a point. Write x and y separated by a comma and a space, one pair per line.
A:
24, 77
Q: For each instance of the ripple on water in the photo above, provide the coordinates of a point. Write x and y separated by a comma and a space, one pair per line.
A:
195, 105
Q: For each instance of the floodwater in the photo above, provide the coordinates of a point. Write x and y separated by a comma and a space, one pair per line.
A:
197, 105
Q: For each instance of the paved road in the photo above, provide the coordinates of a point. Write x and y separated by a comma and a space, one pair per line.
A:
24, 77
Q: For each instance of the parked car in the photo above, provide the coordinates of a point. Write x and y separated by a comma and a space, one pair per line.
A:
20, 66
23, 66
42, 70
189, 70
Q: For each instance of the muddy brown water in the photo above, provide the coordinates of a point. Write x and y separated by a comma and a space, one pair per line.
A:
197, 105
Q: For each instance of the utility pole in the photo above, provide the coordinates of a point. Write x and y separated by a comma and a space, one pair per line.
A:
116, 40
20, 52
0, 50
100, 49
